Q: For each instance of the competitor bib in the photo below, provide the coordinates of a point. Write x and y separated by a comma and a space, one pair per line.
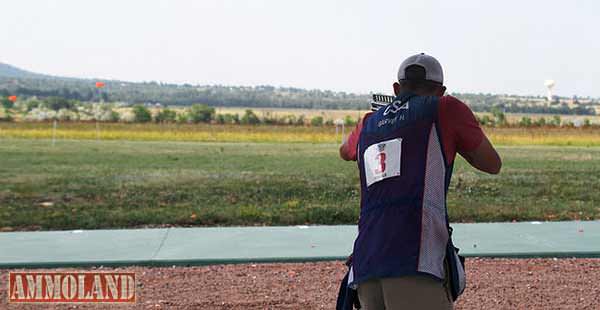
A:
382, 160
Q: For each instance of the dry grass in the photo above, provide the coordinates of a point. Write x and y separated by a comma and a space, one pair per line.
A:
237, 133
170, 132
308, 114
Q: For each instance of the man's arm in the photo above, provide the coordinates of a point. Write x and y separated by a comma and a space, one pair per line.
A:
468, 137
484, 157
345, 154
348, 148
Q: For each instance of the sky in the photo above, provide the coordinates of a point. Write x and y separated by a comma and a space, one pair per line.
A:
506, 47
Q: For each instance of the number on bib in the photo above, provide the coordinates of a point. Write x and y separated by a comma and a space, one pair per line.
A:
382, 160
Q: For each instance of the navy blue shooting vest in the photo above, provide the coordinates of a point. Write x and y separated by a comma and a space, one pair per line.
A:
403, 225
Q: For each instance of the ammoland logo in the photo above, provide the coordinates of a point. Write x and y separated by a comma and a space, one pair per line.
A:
67, 287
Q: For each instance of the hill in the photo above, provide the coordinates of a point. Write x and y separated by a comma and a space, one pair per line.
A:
24, 83
16, 81
10, 71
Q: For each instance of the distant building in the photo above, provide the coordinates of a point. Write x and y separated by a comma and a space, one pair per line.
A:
573, 103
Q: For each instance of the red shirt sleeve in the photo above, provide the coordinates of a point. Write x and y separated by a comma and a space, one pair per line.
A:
460, 129
351, 144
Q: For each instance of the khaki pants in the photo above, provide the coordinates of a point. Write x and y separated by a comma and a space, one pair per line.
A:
409, 292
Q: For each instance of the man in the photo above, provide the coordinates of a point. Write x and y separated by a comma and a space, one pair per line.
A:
405, 153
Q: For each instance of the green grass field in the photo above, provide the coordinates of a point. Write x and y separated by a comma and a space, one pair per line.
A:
116, 184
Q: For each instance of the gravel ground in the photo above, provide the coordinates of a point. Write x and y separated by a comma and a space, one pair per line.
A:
492, 284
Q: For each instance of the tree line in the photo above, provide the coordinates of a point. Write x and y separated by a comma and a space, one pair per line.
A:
58, 108
237, 96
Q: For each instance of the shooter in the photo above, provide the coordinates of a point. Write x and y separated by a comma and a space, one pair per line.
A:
403, 257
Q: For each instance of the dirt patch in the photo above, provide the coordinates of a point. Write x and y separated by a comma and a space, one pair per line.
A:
493, 284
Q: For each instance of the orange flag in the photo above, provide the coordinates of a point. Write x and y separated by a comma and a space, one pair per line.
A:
99, 84
12, 98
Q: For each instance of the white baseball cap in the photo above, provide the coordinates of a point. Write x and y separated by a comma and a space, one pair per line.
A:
433, 69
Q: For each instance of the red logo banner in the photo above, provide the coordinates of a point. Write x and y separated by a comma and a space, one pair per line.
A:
67, 287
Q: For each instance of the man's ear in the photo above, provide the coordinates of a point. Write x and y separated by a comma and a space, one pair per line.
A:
440, 91
397, 88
